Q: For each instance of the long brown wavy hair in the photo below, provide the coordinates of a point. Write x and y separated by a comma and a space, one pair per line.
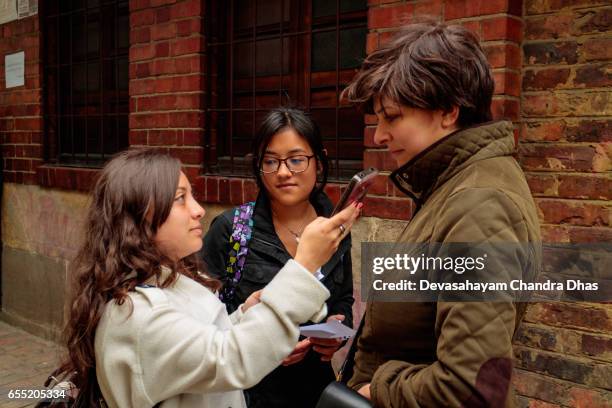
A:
131, 200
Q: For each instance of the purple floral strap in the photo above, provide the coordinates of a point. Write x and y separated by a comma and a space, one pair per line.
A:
242, 229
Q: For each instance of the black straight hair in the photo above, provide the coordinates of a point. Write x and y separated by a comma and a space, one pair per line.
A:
281, 119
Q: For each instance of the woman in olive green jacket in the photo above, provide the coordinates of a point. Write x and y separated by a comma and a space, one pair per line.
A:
431, 91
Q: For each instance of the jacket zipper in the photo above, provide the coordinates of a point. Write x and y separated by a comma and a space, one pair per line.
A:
268, 243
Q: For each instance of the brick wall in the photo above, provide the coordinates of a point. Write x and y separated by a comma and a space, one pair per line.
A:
564, 350
21, 122
167, 79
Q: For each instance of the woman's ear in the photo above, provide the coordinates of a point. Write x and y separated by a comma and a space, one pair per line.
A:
449, 118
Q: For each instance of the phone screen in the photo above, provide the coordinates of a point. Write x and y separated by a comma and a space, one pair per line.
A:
357, 188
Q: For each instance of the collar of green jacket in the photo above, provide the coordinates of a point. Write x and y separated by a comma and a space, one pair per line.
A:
429, 169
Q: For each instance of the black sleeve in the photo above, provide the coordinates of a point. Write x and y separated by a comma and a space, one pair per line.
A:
215, 250
343, 299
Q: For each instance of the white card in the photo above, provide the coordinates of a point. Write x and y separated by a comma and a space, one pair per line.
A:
332, 330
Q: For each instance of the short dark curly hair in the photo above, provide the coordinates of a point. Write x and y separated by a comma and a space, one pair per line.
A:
431, 66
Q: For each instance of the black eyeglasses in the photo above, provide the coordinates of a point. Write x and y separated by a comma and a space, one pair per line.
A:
295, 164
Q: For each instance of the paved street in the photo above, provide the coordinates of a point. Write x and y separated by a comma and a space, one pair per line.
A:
25, 363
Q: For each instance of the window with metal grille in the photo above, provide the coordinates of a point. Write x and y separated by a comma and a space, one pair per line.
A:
262, 54
86, 45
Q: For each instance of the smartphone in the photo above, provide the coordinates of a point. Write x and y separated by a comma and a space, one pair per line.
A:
357, 188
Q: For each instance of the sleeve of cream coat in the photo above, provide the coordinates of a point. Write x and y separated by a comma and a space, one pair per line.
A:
474, 350
194, 358
237, 316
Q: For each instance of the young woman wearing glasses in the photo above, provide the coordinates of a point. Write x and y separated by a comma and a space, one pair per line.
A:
290, 165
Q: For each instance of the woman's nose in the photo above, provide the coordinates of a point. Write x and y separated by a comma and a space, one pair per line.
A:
283, 169
381, 136
198, 211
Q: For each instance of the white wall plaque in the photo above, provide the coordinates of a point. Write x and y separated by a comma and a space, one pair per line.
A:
14, 68
8, 11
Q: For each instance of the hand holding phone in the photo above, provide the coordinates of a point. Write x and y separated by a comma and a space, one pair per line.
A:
357, 188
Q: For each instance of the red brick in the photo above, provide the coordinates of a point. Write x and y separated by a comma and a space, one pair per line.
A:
371, 42
554, 233
548, 27
250, 190
394, 16
157, 103
383, 207
158, 3
187, 83
142, 18
386, 37
546, 79
468, 8
543, 131
536, 156
192, 172
554, 211
143, 86
564, 52
380, 159
503, 108
139, 5
142, 70
150, 120
539, 7
199, 187
502, 28
28, 124
379, 187
162, 137
190, 101
30, 151
368, 136
162, 15
21, 164
162, 49
431, 8
593, 75
212, 189
192, 137
570, 315
568, 24
333, 191
191, 45
507, 83
589, 234
236, 192
142, 52
186, 28
138, 137
543, 184
597, 49
224, 191
163, 31
188, 155
566, 104
194, 119
474, 26
590, 186
595, 345
140, 35
188, 8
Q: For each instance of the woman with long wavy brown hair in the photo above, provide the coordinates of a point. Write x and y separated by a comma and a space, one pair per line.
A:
144, 326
